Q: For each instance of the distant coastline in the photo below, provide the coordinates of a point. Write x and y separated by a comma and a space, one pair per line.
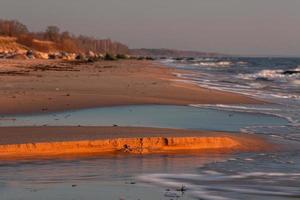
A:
17, 41
173, 53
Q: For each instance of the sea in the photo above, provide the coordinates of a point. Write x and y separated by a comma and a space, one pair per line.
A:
273, 175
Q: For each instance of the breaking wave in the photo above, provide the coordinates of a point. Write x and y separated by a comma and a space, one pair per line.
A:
273, 75
214, 64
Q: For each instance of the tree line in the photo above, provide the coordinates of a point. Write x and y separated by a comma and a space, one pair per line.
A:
57, 39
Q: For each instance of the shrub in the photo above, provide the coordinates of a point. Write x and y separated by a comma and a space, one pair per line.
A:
121, 56
110, 57
149, 58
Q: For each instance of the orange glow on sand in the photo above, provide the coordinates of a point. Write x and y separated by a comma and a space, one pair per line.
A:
144, 145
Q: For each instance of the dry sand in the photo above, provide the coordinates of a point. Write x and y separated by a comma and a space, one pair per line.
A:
29, 86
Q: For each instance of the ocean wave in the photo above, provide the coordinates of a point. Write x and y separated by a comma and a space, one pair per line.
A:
272, 75
168, 60
214, 64
258, 90
242, 63
292, 71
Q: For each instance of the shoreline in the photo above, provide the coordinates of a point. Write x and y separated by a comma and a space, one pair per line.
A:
36, 142
36, 86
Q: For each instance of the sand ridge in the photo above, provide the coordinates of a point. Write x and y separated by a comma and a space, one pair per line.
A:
57, 141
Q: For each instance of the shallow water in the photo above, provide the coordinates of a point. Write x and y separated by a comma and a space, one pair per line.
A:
184, 117
93, 178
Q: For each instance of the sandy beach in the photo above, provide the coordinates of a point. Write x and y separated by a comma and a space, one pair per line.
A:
35, 86
30, 86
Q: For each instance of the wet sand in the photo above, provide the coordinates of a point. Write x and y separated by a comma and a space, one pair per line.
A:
57, 141
30, 86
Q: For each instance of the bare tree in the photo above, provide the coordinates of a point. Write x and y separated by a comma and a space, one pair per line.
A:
12, 28
52, 33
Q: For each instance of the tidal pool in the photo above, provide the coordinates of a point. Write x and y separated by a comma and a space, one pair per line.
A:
159, 116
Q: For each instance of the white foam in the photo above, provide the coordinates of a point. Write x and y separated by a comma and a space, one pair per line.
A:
214, 64
169, 60
268, 74
234, 107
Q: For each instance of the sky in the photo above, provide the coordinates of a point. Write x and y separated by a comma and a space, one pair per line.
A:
240, 27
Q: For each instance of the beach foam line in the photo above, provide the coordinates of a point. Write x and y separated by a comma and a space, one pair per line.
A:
138, 145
